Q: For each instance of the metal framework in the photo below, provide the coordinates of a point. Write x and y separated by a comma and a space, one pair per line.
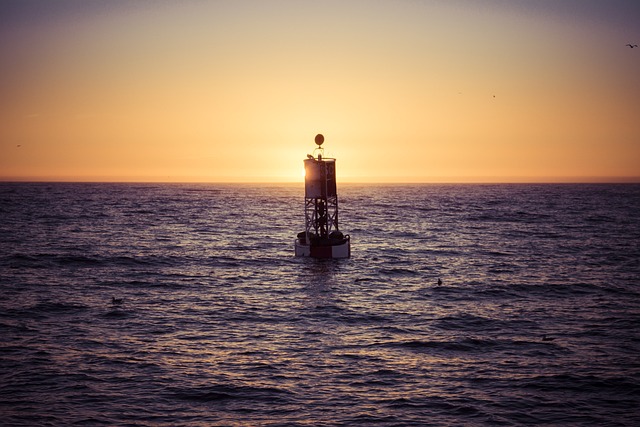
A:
321, 216
321, 199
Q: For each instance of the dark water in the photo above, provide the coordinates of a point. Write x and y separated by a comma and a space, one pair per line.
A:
537, 320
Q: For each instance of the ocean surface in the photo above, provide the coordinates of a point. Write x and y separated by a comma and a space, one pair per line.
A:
183, 305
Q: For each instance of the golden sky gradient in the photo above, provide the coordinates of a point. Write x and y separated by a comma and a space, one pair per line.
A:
404, 91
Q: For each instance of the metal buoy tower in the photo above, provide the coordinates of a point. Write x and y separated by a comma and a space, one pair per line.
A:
322, 237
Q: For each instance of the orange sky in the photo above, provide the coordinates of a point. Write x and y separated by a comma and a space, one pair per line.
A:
404, 91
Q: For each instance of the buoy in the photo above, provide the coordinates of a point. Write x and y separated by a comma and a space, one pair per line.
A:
321, 237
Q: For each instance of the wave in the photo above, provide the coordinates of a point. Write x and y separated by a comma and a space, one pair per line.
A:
621, 387
475, 345
45, 309
53, 260
469, 323
224, 392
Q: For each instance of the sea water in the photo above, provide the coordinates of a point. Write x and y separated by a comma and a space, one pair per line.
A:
167, 304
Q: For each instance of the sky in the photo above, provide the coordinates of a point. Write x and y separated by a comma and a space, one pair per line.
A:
403, 91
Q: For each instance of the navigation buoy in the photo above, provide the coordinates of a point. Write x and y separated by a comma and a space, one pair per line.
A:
321, 237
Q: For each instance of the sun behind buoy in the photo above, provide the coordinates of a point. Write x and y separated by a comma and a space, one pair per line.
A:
319, 139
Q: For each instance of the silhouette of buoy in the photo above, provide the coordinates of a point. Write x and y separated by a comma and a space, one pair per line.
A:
117, 301
319, 139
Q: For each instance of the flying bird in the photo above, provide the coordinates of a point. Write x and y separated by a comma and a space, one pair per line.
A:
631, 45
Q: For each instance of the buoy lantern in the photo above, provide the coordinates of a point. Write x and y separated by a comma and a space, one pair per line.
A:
322, 237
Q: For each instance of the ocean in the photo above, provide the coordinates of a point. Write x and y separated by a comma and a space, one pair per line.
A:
183, 305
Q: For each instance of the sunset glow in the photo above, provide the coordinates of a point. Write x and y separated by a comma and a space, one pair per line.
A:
404, 91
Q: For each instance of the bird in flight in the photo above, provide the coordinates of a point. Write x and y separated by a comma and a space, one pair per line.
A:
631, 45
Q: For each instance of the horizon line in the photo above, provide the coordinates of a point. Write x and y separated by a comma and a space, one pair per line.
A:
478, 180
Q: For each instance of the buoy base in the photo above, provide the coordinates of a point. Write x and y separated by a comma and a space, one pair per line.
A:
341, 249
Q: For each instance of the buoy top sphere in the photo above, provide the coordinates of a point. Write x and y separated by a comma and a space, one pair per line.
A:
319, 139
